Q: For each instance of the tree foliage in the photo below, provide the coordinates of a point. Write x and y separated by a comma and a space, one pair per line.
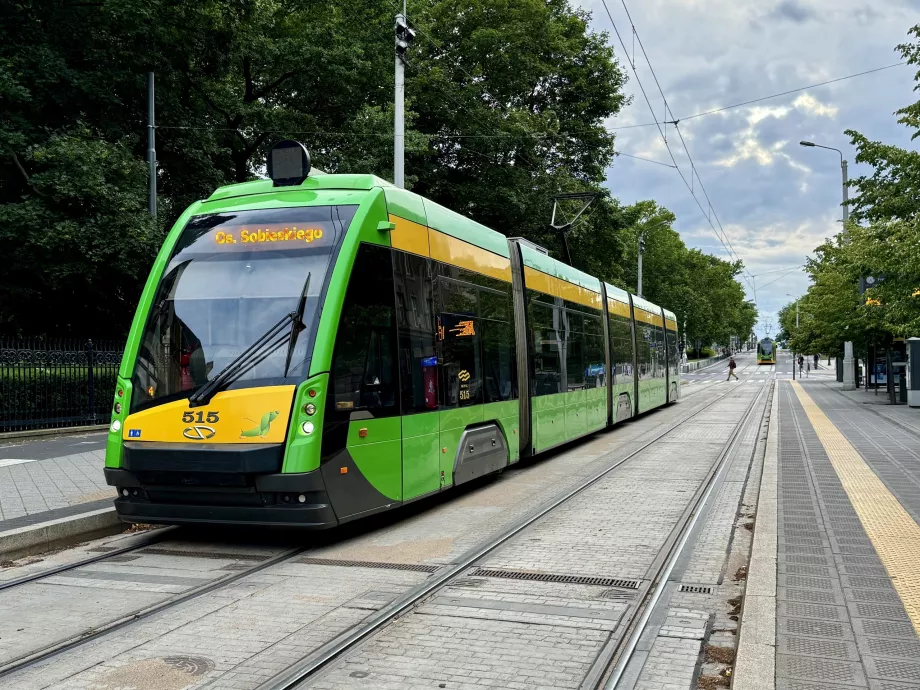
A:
506, 107
882, 239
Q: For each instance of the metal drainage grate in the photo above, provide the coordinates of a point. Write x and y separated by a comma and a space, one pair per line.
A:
370, 564
550, 577
695, 589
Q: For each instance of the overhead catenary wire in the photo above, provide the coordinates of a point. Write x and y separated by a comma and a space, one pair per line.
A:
680, 134
781, 277
664, 138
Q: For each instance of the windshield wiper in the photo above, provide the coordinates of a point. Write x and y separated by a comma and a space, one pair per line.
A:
266, 344
298, 326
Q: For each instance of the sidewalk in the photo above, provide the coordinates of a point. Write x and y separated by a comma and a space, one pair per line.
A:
878, 404
51, 481
838, 605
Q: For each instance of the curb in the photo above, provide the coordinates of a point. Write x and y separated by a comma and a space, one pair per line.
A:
43, 536
755, 664
59, 431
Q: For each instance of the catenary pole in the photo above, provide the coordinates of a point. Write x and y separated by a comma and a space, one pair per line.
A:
399, 113
151, 148
641, 252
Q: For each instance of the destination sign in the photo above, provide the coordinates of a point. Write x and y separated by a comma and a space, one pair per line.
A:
268, 235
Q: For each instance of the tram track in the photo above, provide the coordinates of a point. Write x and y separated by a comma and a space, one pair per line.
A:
614, 659
325, 656
48, 652
143, 542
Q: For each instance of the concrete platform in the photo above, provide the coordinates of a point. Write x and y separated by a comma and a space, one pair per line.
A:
52, 491
833, 594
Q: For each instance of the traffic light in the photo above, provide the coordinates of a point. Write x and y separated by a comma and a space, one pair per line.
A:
404, 37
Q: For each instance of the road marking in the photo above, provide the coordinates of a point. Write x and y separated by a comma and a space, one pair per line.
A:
6, 462
893, 532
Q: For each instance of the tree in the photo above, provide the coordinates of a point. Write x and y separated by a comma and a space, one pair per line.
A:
892, 191
499, 121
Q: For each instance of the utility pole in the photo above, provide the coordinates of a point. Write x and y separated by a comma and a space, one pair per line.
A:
641, 251
151, 148
404, 36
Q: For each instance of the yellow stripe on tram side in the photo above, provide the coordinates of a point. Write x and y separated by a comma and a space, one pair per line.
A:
618, 308
670, 324
893, 532
648, 317
409, 237
450, 250
551, 285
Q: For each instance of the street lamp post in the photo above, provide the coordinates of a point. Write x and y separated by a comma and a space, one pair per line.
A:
849, 364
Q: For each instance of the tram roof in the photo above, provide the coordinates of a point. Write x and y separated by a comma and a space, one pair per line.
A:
416, 208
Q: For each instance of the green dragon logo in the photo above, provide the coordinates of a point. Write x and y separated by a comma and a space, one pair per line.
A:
261, 429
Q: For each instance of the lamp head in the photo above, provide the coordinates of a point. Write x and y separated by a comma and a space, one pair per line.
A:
806, 143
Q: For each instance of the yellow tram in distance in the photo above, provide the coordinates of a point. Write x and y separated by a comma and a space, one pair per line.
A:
766, 351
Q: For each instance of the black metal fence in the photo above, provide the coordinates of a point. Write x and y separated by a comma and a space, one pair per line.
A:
56, 383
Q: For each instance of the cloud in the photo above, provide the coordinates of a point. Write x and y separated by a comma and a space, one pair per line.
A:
792, 11
776, 200
813, 106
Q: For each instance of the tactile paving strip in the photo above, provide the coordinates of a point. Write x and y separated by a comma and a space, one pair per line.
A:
891, 529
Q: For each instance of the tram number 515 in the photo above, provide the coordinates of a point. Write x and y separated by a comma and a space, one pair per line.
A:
211, 417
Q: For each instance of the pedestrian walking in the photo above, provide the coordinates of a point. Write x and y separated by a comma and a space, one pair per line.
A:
808, 368
816, 362
801, 364
731, 369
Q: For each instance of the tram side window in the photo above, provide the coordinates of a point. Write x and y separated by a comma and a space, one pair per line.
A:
574, 350
364, 364
459, 331
660, 354
621, 348
498, 348
673, 354
546, 332
595, 364
644, 339
416, 330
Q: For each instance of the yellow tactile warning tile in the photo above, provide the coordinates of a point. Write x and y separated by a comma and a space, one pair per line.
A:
894, 534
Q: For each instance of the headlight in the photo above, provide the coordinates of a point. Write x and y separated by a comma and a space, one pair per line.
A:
307, 428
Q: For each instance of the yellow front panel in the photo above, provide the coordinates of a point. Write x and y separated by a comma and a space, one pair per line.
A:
248, 415
550, 285
409, 237
450, 250
618, 308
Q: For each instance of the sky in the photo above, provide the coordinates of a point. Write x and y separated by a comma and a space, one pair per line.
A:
776, 200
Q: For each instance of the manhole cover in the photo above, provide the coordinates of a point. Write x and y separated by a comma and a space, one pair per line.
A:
192, 665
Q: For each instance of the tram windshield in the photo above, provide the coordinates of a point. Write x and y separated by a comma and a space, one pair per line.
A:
231, 277
766, 347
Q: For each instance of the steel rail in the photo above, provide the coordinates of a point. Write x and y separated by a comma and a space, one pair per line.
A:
623, 648
42, 655
144, 541
321, 658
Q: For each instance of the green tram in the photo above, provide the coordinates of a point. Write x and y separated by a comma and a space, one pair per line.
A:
314, 348
766, 351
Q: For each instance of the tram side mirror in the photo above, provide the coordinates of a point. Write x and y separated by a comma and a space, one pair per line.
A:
288, 163
385, 226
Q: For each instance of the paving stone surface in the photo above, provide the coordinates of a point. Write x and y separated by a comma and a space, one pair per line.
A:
480, 631
839, 618
28, 490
